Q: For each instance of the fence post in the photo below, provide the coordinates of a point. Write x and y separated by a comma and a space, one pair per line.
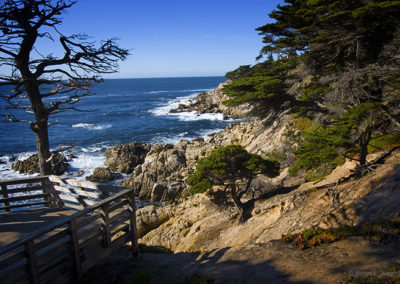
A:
32, 263
75, 248
132, 223
55, 200
105, 224
5, 195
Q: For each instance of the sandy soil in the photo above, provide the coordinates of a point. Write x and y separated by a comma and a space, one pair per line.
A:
272, 262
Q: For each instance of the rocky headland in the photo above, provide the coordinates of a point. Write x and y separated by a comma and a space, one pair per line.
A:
284, 205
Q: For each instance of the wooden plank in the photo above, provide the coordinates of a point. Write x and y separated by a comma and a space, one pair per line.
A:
63, 221
16, 274
86, 184
24, 205
61, 272
4, 193
23, 198
75, 248
120, 227
23, 180
52, 239
69, 198
24, 189
94, 194
79, 199
133, 236
120, 217
73, 206
106, 225
89, 238
32, 263
96, 254
118, 205
56, 259
88, 220
12, 259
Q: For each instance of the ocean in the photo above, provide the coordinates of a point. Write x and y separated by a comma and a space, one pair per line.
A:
118, 111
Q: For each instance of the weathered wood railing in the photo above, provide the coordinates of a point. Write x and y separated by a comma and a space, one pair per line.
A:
51, 191
62, 251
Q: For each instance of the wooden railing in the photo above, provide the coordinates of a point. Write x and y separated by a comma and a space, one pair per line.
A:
51, 191
62, 251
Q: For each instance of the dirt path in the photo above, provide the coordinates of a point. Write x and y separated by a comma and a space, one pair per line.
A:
272, 262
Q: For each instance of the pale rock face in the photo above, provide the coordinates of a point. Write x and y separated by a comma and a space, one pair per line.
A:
124, 158
198, 225
212, 102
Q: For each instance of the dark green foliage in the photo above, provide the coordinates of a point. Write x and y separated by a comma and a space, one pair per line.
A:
199, 182
238, 73
331, 58
225, 166
263, 86
343, 136
332, 32
312, 92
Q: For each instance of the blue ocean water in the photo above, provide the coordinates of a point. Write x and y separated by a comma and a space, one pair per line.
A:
117, 111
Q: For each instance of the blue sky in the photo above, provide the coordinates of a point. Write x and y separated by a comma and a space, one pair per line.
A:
172, 38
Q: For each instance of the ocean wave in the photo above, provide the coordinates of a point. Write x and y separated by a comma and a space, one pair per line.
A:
92, 126
194, 116
165, 108
179, 91
6, 162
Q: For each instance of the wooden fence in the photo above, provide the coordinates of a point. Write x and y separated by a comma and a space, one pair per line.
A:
62, 251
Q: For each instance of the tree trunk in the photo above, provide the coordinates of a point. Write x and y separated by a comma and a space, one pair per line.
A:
40, 127
43, 147
364, 141
238, 203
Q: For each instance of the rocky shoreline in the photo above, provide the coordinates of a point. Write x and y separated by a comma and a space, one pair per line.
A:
287, 204
158, 171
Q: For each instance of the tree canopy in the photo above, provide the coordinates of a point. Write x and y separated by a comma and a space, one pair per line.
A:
333, 57
225, 166
44, 84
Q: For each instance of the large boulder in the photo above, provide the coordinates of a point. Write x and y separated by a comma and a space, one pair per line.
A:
58, 164
102, 175
164, 164
124, 158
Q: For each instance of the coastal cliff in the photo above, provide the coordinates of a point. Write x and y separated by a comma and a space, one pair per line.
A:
284, 205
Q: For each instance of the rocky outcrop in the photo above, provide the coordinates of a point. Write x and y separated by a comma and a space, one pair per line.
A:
124, 158
212, 102
58, 164
162, 174
198, 225
102, 175
150, 217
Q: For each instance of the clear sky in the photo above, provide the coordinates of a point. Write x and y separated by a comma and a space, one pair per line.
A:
172, 38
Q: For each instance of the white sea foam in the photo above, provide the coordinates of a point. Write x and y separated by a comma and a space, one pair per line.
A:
87, 159
92, 126
165, 109
5, 167
194, 115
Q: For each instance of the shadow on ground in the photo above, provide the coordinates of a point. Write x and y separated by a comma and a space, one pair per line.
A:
197, 267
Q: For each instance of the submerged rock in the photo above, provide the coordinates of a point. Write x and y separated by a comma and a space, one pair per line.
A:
58, 164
